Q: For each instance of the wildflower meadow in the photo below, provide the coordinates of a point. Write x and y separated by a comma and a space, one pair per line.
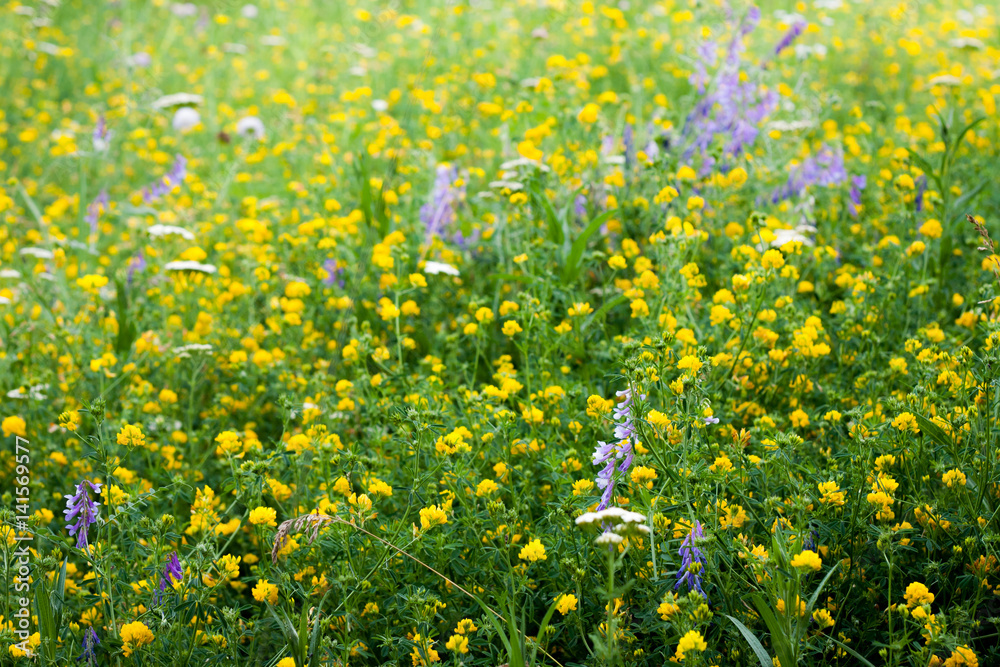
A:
503, 333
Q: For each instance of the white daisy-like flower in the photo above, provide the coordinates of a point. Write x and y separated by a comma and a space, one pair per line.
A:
184, 265
176, 100
169, 230
250, 126
40, 253
185, 118
435, 268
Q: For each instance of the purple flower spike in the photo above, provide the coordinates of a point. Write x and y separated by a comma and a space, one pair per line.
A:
172, 572
692, 561
438, 213
790, 36
334, 271
95, 208
616, 456
90, 641
81, 505
164, 185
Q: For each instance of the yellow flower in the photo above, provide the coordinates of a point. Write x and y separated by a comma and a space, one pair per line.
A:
486, 487
131, 436
917, 594
772, 259
465, 626
458, 643
690, 363
643, 476
617, 262
953, 478
566, 603
533, 551
588, 114
528, 150
14, 425
906, 422
832, 495
432, 516
265, 591
263, 516
808, 560
511, 328
823, 619
286, 662
931, 229
91, 283
691, 642
135, 635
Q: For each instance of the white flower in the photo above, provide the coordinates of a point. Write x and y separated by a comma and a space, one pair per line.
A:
176, 100
4, 301
249, 11
609, 538
440, 267
184, 9
40, 253
185, 118
34, 393
273, 40
140, 59
380, 105
10, 273
250, 126
167, 230
189, 266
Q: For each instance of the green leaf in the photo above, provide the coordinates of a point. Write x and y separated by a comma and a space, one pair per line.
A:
541, 629
553, 224
968, 128
527, 280
601, 312
317, 632
850, 650
934, 432
572, 268
781, 643
126, 327
758, 648
822, 584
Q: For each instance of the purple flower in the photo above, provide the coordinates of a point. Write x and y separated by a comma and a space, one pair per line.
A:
858, 183
692, 561
135, 265
616, 456
628, 138
172, 572
711, 420
164, 185
333, 273
80, 505
734, 108
918, 199
101, 135
580, 205
826, 167
90, 640
439, 212
94, 209
790, 36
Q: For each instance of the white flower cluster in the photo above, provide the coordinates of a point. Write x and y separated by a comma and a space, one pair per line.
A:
618, 523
